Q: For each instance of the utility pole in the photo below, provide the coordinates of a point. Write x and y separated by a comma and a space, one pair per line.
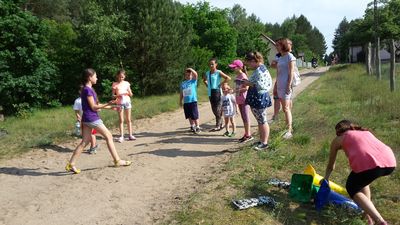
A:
377, 42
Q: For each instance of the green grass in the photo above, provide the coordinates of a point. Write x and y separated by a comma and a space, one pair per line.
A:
54, 126
344, 92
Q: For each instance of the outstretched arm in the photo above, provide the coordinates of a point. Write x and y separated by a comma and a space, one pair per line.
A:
96, 106
335, 146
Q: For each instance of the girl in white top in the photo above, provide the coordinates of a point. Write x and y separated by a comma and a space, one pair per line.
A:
121, 90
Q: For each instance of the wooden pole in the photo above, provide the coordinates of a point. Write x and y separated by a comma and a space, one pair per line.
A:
377, 42
392, 65
368, 59
378, 58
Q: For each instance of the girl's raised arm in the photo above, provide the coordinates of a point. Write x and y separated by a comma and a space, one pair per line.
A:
223, 75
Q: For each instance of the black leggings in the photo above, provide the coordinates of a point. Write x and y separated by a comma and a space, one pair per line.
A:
357, 181
216, 106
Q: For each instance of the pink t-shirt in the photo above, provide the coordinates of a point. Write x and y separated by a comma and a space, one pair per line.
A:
240, 96
365, 151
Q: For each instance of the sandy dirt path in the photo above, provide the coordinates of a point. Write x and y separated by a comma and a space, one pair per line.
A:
169, 163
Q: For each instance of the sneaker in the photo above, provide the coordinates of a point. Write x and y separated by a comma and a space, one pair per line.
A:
232, 134
197, 130
93, 150
261, 147
288, 135
120, 139
192, 129
226, 134
245, 139
131, 138
215, 129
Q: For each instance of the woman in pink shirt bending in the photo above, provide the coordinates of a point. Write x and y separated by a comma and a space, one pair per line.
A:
369, 159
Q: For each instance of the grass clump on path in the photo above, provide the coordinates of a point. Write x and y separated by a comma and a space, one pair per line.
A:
343, 92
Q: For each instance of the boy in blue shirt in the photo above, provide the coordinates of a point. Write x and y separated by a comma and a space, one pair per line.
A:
188, 95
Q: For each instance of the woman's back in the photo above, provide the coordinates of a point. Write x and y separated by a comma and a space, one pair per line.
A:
365, 151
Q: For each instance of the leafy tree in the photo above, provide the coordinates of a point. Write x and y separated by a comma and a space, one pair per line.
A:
158, 44
57, 10
316, 42
303, 26
339, 44
102, 39
274, 30
212, 30
63, 51
249, 29
27, 78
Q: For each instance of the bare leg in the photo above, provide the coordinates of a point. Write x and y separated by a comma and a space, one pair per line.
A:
93, 141
226, 119
264, 132
121, 122
110, 144
363, 199
286, 106
128, 121
86, 136
232, 119
191, 122
277, 107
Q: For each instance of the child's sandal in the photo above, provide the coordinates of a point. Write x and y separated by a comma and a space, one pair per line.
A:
70, 168
120, 162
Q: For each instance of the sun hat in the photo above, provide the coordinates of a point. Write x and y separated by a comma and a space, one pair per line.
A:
236, 63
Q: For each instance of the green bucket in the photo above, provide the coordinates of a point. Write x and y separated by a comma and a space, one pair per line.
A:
302, 188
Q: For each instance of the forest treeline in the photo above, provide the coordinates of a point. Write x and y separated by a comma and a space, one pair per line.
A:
45, 44
380, 20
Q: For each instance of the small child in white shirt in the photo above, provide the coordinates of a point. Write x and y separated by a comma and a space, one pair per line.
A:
229, 109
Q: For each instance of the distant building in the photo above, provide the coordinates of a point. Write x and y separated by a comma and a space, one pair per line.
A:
357, 54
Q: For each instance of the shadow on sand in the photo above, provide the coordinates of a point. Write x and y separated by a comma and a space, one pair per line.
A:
176, 152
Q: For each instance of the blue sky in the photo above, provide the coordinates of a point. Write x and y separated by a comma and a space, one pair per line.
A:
323, 14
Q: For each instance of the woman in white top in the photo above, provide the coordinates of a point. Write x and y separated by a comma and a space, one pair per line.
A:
284, 79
